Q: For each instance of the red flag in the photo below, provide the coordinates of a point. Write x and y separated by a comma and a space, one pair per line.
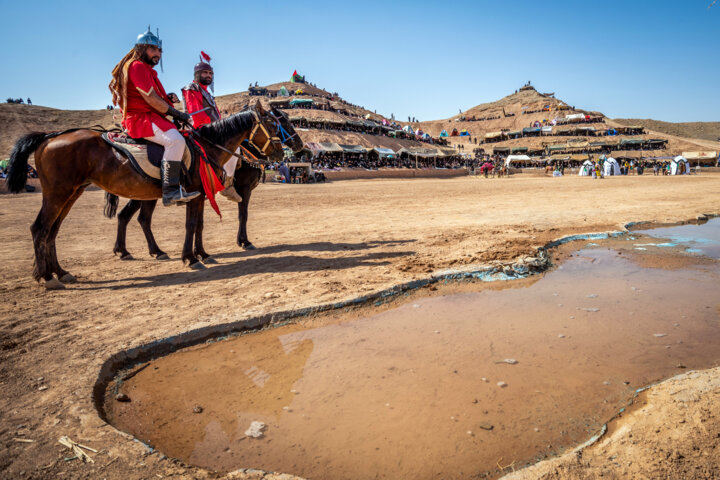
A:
205, 56
294, 73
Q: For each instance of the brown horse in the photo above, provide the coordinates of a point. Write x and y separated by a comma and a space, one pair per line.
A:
67, 162
247, 177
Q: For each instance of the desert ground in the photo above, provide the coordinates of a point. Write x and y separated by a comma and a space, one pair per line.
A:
316, 244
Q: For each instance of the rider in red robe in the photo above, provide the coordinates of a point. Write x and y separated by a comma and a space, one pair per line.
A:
196, 97
144, 103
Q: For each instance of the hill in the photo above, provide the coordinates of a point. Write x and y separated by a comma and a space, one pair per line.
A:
527, 106
17, 120
700, 130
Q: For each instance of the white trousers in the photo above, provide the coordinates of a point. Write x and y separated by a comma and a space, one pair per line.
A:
229, 167
173, 142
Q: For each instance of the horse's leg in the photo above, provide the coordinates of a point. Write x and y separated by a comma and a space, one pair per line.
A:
242, 238
62, 274
199, 250
52, 206
124, 218
191, 219
145, 218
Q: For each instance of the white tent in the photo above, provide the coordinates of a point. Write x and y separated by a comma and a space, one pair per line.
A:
611, 167
547, 130
408, 129
516, 158
575, 116
679, 166
586, 169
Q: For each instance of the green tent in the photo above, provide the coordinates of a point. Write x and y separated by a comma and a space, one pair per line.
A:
301, 101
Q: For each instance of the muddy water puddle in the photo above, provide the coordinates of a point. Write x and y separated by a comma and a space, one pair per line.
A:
449, 386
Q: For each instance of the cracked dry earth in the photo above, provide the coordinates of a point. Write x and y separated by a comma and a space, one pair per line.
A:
317, 244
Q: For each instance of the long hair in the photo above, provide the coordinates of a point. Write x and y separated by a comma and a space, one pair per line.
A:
118, 84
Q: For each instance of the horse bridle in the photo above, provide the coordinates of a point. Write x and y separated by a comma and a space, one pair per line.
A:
269, 139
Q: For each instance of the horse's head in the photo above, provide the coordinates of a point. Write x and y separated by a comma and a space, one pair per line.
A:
286, 131
272, 131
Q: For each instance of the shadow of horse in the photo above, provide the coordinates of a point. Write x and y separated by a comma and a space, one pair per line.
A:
313, 247
250, 266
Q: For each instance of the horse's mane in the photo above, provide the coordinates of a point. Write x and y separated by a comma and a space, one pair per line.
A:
220, 131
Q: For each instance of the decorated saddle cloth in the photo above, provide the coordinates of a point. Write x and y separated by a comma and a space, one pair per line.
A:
144, 156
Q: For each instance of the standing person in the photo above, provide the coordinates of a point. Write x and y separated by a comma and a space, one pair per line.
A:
137, 90
29, 102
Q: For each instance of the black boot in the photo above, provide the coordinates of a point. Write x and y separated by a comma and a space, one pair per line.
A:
173, 193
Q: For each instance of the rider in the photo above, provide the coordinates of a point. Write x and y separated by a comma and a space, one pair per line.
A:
138, 92
196, 97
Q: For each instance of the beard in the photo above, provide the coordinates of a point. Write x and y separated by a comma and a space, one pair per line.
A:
205, 81
154, 60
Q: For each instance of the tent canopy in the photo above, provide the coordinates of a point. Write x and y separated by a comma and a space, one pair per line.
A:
331, 147
516, 158
444, 133
383, 152
352, 148
700, 155
301, 101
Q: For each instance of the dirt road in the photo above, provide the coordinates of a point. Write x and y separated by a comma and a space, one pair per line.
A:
318, 243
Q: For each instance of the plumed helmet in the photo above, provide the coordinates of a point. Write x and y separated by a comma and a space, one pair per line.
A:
149, 38
200, 66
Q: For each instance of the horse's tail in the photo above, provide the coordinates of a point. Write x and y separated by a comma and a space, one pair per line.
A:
17, 170
111, 204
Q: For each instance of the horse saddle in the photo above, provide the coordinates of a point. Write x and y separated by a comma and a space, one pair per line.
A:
144, 156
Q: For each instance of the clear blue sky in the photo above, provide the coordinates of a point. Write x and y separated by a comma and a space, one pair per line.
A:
634, 58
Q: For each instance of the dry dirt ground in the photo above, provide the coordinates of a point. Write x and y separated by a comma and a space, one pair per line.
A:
318, 243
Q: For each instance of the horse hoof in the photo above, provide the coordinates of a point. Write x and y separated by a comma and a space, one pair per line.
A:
163, 256
210, 261
127, 256
198, 266
54, 284
68, 278
249, 246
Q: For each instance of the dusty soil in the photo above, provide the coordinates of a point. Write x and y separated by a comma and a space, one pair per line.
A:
319, 243
702, 130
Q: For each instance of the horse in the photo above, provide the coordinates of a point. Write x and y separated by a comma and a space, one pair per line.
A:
69, 161
247, 177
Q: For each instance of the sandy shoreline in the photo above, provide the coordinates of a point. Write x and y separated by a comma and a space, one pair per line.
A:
319, 244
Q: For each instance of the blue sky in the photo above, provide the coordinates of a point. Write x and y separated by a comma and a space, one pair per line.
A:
634, 58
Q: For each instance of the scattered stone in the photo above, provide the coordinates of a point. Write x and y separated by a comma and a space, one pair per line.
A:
287, 409
415, 305
593, 295
40, 379
501, 384
536, 429
437, 331
475, 400
591, 309
677, 324
255, 430
660, 335
121, 397
560, 304
509, 361
680, 365
198, 409
469, 432
484, 379
606, 382
44, 387
486, 426
294, 392
572, 317
561, 336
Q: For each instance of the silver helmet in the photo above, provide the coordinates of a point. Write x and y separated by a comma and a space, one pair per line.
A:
149, 38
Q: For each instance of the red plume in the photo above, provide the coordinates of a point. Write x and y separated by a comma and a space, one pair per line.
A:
205, 56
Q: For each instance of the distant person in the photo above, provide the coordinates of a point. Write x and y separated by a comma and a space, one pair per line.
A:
29, 102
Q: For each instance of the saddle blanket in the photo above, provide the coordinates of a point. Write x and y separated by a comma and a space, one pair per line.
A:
143, 155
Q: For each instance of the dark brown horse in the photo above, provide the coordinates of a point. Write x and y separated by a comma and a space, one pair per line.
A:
67, 162
247, 177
